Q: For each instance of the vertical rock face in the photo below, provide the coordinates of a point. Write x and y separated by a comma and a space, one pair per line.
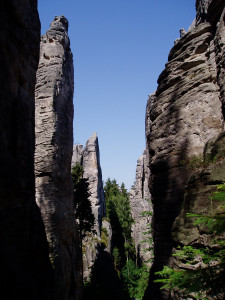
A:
197, 200
183, 114
220, 57
140, 203
53, 154
92, 171
25, 268
90, 161
77, 155
201, 11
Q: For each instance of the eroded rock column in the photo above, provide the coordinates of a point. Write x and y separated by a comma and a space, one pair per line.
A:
141, 209
89, 159
53, 154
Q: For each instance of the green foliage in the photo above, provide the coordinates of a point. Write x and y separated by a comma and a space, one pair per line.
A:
77, 173
135, 279
147, 213
204, 268
194, 162
104, 237
119, 214
117, 259
83, 211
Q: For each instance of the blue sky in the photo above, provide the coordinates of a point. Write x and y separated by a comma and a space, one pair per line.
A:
120, 47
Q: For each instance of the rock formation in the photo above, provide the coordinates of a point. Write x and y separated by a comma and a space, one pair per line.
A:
92, 171
197, 200
140, 204
77, 155
25, 267
53, 154
182, 115
89, 158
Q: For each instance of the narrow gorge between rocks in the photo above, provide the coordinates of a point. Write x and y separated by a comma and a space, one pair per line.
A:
66, 234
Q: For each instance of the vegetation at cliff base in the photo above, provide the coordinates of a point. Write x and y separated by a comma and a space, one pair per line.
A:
134, 278
203, 271
83, 211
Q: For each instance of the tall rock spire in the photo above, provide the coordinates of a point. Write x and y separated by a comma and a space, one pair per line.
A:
93, 172
53, 154
141, 209
89, 158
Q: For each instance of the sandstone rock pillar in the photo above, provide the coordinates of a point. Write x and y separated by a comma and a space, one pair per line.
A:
140, 204
53, 154
89, 158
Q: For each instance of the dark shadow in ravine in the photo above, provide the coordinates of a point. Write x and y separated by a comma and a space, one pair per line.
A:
104, 282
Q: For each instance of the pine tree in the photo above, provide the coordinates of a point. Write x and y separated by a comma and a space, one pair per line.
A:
83, 211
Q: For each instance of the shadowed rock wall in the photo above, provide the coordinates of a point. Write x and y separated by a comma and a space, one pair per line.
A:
53, 154
25, 267
182, 115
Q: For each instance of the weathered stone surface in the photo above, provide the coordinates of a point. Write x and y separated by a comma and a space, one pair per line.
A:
140, 198
182, 116
197, 200
90, 161
220, 57
201, 11
53, 154
77, 155
25, 267
89, 158
92, 171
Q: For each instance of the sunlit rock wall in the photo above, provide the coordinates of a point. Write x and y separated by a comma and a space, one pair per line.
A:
53, 154
183, 114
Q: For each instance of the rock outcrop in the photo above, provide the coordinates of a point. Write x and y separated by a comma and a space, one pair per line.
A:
89, 159
53, 154
197, 200
92, 171
141, 209
182, 115
25, 267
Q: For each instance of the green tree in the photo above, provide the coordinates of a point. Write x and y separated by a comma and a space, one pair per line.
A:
207, 278
83, 211
119, 213
135, 278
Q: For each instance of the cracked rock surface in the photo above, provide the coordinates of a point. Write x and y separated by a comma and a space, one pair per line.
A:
140, 203
53, 154
186, 111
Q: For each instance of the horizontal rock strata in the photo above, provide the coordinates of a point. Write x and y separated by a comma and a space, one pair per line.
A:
182, 115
